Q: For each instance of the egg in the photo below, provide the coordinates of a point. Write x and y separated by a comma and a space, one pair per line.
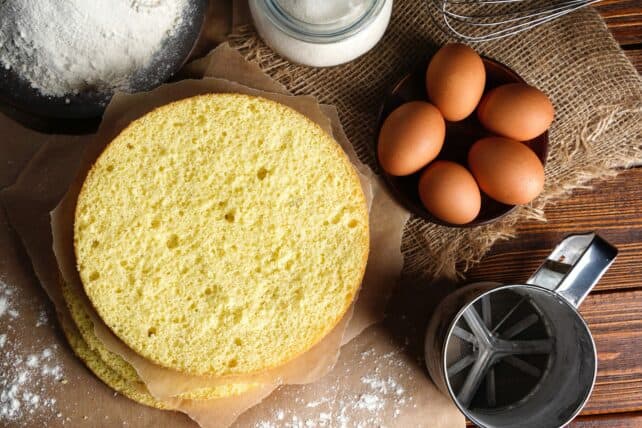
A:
506, 170
455, 80
516, 111
449, 192
411, 136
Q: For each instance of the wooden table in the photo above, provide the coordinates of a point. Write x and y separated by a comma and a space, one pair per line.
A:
613, 208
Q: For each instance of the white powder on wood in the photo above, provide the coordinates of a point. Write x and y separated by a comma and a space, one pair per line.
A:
3, 305
66, 46
26, 376
43, 318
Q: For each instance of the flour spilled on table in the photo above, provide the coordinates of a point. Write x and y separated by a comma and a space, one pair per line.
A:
26, 374
339, 408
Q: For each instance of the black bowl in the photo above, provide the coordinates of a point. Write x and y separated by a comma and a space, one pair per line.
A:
80, 113
460, 136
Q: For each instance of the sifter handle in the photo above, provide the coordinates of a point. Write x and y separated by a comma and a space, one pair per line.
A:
575, 266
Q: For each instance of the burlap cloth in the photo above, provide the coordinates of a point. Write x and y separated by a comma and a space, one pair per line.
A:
596, 92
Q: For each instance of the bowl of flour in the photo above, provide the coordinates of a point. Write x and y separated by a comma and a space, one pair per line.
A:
66, 58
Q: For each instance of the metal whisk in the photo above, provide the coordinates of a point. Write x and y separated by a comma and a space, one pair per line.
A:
483, 20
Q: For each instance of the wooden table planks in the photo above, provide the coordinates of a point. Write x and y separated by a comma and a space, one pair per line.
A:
619, 420
615, 318
624, 19
613, 311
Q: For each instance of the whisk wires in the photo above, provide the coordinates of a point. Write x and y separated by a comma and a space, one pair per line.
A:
484, 20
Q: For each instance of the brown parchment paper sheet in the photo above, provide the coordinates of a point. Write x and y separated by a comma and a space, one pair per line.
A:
372, 299
87, 402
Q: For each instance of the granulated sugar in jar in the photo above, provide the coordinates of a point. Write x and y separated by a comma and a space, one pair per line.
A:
321, 34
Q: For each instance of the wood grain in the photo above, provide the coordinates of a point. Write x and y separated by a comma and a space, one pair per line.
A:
613, 420
617, 420
613, 208
615, 320
624, 19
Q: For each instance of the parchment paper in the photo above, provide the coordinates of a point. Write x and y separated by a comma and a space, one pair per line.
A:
309, 367
48, 175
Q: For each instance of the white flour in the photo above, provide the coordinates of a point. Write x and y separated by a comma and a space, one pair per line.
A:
340, 408
65, 46
25, 374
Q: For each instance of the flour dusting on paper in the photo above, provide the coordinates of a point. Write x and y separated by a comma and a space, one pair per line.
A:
25, 375
379, 395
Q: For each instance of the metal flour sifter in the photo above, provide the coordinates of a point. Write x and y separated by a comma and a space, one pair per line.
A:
521, 355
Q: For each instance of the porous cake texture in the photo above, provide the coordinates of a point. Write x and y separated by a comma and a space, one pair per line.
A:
221, 234
112, 369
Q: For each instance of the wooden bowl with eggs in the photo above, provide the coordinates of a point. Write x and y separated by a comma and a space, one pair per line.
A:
459, 138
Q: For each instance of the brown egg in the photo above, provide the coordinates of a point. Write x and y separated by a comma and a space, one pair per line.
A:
516, 111
455, 80
506, 170
411, 137
450, 192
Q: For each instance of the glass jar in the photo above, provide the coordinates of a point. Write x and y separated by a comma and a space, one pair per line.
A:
321, 33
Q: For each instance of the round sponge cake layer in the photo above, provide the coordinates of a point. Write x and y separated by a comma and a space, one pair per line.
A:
221, 234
